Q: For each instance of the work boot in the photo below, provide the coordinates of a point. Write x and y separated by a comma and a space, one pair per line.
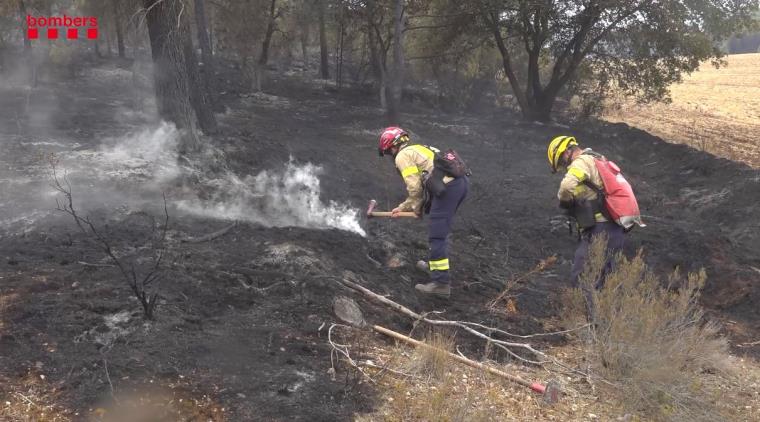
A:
433, 288
422, 266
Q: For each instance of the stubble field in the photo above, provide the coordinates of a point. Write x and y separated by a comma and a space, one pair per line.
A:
714, 110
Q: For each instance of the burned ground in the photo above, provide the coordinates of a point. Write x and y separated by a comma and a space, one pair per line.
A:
240, 328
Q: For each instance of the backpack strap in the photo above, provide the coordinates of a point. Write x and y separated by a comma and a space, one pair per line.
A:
591, 152
599, 191
600, 199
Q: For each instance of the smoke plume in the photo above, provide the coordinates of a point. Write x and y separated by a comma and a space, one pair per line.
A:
282, 197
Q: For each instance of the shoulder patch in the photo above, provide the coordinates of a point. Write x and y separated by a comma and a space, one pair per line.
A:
578, 173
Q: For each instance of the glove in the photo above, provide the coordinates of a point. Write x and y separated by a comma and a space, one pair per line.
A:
567, 207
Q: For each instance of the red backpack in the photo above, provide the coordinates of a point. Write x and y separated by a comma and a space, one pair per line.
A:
618, 198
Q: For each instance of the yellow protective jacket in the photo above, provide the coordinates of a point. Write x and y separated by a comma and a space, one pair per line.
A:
572, 186
411, 161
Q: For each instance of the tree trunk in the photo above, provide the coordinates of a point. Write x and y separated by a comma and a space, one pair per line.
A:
28, 55
324, 65
107, 31
119, 28
540, 109
383, 90
374, 53
204, 42
264, 57
339, 51
397, 79
170, 69
304, 37
506, 62
27, 41
203, 38
257, 70
377, 62
261, 64
210, 22
199, 97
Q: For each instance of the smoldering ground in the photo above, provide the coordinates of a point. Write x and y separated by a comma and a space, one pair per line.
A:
135, 161
239, 317
119, 161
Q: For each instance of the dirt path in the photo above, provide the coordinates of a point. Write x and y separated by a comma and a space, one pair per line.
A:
239, 353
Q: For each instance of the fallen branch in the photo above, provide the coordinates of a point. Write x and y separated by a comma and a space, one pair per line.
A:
550, 391
210, 236
374, 261
386, 369
26, 399
108, 377
88, 264
506, 333
750, 344
260, 290
504, 345
542, 266
466, 326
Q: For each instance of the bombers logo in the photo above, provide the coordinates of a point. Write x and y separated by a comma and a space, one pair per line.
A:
53, 23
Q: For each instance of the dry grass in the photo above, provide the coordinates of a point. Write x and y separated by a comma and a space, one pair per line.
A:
715, 110
652, 340
462, 393
432, 362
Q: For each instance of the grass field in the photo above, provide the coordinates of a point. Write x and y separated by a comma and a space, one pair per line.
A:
715, 110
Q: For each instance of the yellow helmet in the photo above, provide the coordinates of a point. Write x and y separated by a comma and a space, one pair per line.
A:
557, 146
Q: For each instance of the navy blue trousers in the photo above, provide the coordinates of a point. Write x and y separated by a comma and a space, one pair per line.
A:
615, 240
442, 211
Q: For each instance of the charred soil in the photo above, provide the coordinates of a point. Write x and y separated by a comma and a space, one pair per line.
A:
240, 331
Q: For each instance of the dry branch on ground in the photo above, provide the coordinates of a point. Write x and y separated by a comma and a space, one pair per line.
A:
468, 327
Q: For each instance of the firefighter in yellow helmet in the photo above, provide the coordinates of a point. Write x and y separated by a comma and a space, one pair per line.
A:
578, 195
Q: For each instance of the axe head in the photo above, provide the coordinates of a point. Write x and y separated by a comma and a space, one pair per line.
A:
371, 207
552, 393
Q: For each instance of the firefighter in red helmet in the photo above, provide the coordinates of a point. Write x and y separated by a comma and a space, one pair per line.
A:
415, 163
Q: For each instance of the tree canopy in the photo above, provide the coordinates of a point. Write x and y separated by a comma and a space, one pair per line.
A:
641, 46
527, 53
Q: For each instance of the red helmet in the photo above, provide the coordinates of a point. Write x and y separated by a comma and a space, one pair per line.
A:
391, 137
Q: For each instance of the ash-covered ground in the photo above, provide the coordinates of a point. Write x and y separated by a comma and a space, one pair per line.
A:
239, 329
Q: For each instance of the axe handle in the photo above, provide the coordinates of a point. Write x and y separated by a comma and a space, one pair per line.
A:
388, 214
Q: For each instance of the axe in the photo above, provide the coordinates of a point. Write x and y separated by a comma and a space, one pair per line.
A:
372, 213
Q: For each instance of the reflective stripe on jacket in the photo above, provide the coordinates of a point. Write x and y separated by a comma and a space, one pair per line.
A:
411, 161
572, 186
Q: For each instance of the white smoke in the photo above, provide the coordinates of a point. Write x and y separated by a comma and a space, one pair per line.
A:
148, 152
289, 196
